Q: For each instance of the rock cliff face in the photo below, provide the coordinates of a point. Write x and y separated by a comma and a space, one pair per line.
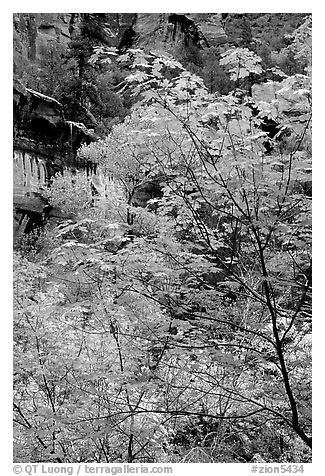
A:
165, 30
35, 32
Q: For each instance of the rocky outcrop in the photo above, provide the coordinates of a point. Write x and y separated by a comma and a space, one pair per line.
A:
30, 178
35, 32
44, 144
167, 30
211, 27
40, 119
278, 95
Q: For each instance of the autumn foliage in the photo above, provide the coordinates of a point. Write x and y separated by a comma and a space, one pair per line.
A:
178, 330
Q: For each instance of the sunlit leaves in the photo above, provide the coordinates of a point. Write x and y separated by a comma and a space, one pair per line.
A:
194, 304
70, 193
241, 62
102, 54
